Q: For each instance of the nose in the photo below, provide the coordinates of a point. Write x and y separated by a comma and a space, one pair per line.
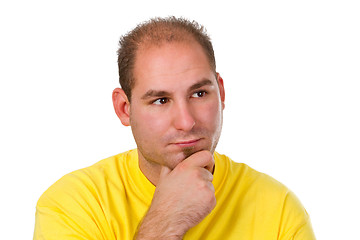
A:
183, 117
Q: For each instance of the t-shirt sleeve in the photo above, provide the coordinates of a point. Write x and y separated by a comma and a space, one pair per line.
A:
305, 232
295, 221
70, 210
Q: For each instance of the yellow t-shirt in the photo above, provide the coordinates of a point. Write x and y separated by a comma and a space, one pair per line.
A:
109, 199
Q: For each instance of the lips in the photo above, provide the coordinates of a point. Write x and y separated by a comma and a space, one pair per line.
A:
187, 143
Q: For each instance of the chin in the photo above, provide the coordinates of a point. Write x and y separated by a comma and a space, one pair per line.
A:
174, 159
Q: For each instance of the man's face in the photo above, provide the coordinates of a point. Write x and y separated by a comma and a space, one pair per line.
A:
176, 104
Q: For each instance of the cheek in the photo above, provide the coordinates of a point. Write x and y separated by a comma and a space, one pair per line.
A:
210, 115
148, 123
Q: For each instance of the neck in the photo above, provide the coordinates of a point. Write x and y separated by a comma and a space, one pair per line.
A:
150, 170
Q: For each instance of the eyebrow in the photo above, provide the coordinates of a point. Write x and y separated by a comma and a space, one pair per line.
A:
202, 83
160, 93
154, 93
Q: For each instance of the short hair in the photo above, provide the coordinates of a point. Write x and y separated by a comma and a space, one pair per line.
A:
157, 31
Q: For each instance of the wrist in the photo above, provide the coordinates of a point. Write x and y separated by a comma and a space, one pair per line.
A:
156, 226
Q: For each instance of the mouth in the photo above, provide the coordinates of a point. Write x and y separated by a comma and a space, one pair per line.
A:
187, 143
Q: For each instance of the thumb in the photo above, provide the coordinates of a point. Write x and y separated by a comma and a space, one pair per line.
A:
164, 171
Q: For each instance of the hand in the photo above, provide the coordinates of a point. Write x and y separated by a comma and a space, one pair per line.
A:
182, 199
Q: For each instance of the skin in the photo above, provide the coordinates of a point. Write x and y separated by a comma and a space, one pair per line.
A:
176, 118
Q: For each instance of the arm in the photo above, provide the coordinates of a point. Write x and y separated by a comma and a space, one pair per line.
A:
183, 198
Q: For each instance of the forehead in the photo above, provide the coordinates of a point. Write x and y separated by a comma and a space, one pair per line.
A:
171, 65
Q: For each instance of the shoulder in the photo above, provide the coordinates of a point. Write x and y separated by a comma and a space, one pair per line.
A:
85, 183
247, 178
258, 189
75, 204
259, 194
246, 175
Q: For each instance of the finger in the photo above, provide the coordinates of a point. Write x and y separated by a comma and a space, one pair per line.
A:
211, 187
201, 159
206, 175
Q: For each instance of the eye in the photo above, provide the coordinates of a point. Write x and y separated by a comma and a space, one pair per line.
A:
199, 94
160, 101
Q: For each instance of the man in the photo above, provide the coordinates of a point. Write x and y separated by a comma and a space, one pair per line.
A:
174, 185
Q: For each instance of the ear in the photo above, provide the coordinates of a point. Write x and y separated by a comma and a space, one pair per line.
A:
121, 105
221, 89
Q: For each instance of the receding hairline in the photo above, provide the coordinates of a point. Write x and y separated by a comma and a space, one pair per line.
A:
156, 32
149, 46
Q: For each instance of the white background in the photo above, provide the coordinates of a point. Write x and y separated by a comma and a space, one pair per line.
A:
291, 72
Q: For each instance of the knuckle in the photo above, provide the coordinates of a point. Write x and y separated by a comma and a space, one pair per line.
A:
201, 185
196, 174
210, 201
213, 202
